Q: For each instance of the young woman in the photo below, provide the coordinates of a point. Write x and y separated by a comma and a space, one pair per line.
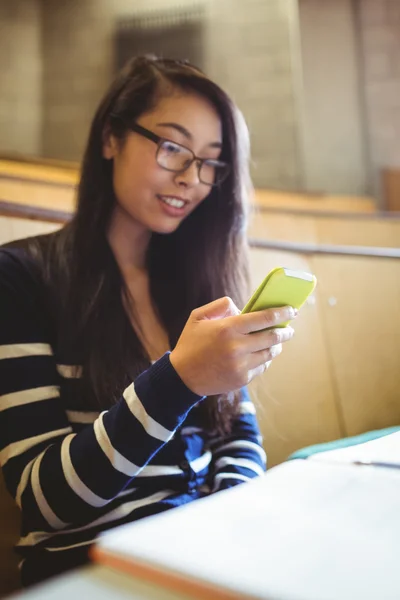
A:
122, 354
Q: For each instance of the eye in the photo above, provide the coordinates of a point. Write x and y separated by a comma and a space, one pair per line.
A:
171, 147
214, 163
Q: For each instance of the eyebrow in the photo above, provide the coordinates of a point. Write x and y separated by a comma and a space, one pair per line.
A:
187, 133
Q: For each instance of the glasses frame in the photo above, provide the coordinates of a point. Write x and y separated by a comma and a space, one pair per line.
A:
157, 139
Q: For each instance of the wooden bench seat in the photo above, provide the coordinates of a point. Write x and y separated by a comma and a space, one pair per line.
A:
47, 173
313, 202
348, 229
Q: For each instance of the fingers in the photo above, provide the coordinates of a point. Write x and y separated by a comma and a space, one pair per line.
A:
258, 371
260, 361
218, 309
263, 356
263, 319
263, 340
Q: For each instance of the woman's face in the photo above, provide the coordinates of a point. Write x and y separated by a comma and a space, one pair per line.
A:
147, 195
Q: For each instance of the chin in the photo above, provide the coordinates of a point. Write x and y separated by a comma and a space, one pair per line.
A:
165, 227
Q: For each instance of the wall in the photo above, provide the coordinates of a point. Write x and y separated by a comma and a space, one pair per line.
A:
333, 126
334, 130
380, 26
20, 76
248, 51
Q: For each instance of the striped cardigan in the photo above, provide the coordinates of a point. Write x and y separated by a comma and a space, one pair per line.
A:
75, 473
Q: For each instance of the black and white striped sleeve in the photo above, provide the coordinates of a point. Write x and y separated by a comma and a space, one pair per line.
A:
239, 456
59, 478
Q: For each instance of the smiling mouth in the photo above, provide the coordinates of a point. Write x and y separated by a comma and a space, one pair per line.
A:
173, 201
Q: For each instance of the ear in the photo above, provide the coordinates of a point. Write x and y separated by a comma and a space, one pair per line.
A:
110, 144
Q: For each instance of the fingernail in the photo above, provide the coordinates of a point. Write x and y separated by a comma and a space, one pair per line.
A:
295, 312
275, 350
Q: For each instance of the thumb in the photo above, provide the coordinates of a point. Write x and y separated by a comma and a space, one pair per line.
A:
218, 309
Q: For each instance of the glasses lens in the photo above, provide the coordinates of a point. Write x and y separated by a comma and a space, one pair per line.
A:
173, 157
213, 172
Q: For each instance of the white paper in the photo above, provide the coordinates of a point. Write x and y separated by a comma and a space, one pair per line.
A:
305, 531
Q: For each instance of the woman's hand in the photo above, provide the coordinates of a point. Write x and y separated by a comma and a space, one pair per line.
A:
215, 353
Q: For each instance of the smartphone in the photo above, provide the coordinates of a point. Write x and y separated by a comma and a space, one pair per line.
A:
282, 287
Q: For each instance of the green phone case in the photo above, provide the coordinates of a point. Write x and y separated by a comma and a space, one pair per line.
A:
282, 287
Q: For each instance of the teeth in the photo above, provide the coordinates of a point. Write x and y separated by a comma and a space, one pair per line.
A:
173, 202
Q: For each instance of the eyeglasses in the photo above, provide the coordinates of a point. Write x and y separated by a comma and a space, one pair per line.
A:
176, 158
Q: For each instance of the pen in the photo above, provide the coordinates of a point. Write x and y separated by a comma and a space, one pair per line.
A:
371, 463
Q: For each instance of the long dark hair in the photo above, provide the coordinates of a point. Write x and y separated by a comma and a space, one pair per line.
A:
204, 259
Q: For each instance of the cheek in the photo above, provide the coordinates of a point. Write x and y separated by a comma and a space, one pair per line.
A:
133, 175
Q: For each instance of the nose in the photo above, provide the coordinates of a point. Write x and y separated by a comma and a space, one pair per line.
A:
189, 177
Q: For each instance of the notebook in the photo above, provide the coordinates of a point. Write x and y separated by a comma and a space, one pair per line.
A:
308, 530
380, 452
